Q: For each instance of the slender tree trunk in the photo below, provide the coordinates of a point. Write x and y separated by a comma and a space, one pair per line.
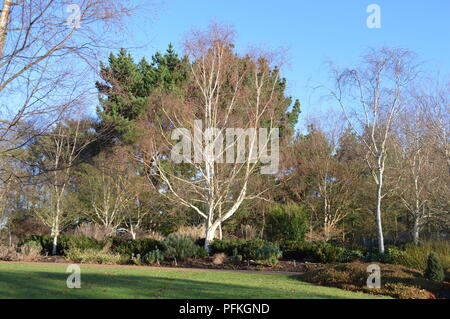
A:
4, 23
55, 243
132, 232
416, 230
378, 214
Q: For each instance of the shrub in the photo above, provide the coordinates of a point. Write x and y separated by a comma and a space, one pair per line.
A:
151, 258
249, 248
298, 250
95, 256
328, 253
31, 250
397, 281
181, 247
314, 252
269, 252
434, 270
226, 246
154, 257
219, 258
134, 247
352, 254
65, 242
417, 256
92, 230
236, 258
286, 222
8, 253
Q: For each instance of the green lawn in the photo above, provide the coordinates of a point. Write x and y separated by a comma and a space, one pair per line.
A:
49, 281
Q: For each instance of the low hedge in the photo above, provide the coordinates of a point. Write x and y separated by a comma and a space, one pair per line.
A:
65, 242
320, 252
134, 247
248, 249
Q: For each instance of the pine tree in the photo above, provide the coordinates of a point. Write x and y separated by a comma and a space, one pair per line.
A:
126, 87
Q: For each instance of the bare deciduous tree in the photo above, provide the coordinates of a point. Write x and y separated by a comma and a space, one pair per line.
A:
226, 92
55, 156
46, 49
372, 98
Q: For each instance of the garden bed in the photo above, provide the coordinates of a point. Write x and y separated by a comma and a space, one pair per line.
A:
396, 281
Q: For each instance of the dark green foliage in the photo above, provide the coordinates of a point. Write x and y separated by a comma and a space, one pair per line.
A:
133, 247
328, 253
286, 222
298, 250
233, 247
226, 246
127, 85
269, 252
313, 252
181, 247
392, 255
248, 249
434, 270
65, 242
352, 254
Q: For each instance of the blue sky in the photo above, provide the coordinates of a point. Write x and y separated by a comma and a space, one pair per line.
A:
312, 32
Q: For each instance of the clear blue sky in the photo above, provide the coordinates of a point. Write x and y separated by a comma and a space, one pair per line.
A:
313, 31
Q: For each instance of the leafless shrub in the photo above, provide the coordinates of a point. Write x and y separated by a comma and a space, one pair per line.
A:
24, 253
192, 231
29, 253
154, 235
8, 253
96, 231
248, 232
218, 259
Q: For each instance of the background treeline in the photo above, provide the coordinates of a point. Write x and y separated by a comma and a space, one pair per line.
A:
93, 176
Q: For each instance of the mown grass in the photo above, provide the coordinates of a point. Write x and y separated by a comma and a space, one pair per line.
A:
49, 281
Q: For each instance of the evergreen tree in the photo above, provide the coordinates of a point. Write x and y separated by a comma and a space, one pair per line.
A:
126, 87
434, 270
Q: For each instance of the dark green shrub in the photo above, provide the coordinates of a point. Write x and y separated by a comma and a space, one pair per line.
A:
313, 252
226, 246
434, 270
133, 247
298, 250
200, 242
328, 253
392, 255
352, 254
269, 252
65, 242
285, 223
233, 247
249, 248
181, 247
